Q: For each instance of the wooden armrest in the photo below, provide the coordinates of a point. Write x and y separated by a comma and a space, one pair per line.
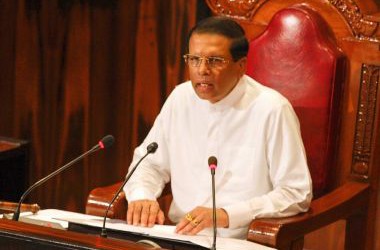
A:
99, 199
346, 201
10, 207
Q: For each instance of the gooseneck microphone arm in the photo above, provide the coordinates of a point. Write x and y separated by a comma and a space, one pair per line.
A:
212, 163
150, 150
106, 142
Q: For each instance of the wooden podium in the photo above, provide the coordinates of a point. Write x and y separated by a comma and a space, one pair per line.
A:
18, 235
46, 232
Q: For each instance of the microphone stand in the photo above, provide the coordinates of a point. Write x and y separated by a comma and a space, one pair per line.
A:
213, 209
150, 149
212, 163
16, 215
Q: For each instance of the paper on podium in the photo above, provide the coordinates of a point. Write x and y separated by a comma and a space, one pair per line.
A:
47, 218
60, 219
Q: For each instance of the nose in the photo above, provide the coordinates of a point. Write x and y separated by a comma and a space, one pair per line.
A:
203, 68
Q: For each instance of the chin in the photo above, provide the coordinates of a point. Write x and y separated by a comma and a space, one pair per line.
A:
204, 96
208, 98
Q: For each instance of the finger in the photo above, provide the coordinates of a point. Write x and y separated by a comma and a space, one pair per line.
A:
197, 224
145, 214
160, 217
137, 213
197, 227
181, 225
188, 228
130, 213
153, 213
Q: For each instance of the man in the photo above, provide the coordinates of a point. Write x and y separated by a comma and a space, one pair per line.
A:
251, 129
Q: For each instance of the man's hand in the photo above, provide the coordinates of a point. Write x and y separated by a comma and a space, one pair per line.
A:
201, 218
144, 213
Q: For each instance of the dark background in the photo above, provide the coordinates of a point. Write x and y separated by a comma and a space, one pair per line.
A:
73, 71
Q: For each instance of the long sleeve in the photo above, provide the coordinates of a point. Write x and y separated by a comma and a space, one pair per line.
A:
288, 173
150, 177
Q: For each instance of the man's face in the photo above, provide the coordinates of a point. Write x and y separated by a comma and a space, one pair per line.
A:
213, 81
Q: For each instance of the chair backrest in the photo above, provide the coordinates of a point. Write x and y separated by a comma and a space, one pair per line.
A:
297, 55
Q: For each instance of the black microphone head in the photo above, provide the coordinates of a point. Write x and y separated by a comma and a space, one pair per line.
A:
106, 142
152, 147
212, 161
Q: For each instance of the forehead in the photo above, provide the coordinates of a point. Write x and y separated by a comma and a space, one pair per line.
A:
209, 44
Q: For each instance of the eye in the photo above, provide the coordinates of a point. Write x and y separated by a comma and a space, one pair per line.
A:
215, 61
194, 60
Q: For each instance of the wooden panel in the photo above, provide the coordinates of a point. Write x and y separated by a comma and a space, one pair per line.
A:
7, 45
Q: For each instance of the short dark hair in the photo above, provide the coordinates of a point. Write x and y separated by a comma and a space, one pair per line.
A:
226, 27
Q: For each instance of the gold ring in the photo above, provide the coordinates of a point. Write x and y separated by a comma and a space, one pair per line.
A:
194, 222
189, 217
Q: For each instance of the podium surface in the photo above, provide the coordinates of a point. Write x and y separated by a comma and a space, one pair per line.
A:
20, 235
58, 229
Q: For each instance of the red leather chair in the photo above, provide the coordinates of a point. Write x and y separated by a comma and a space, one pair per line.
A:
296, 55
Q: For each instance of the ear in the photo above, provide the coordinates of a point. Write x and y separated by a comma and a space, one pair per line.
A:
242, 64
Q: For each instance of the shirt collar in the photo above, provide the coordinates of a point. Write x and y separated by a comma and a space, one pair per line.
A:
228, 101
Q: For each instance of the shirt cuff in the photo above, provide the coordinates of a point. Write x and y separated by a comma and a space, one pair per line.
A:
140, 194
238, 215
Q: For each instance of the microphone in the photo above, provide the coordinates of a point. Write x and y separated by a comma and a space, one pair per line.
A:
212, 163
151, 148
106, 142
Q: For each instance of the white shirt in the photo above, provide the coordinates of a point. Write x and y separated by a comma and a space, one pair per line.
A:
255, 135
